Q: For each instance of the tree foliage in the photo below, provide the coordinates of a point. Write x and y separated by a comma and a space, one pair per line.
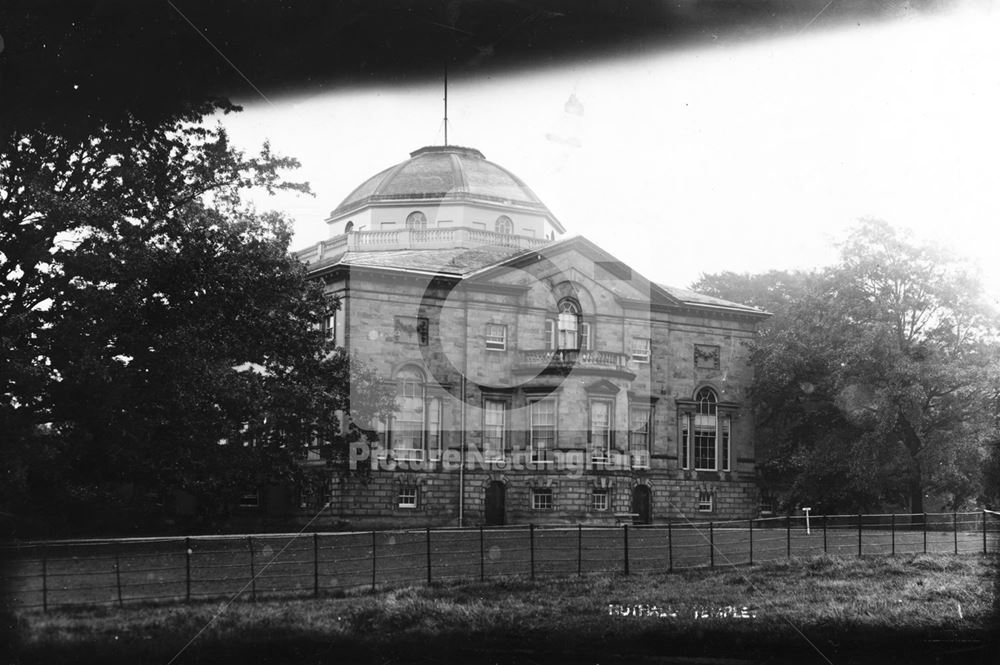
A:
155, 334
875, 377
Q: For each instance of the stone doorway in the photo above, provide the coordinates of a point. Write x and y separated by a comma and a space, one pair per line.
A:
496, 500
642, 504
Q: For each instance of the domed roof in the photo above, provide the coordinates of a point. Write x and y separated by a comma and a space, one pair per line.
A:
445, 172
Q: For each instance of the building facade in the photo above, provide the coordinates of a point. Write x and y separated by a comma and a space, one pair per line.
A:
538, 378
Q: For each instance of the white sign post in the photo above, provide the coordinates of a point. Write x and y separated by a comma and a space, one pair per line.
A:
806, 511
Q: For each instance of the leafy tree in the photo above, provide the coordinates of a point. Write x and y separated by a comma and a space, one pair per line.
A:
155, 334
873, 378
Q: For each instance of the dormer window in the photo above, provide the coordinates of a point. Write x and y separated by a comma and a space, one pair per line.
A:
504, 225
416, 221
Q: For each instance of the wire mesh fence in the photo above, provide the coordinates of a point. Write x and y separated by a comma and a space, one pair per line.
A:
58, 574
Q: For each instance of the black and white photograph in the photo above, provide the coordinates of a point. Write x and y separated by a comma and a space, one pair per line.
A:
448, 332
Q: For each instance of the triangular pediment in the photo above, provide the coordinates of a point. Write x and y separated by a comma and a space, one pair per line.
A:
601, 387
580, 261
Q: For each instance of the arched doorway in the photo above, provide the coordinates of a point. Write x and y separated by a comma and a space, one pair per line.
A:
642, 504
496, 499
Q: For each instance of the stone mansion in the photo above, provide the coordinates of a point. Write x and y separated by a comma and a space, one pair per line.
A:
538, 378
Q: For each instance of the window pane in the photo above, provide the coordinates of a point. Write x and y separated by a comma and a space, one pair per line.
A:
496, 336
704, 442
685, 452
640, 349
586, 342
706, 401
434, 427
600, 426
638, 435
541, 499
494, 416
567, 330
407, 428
407, 497
543, 428
724, 434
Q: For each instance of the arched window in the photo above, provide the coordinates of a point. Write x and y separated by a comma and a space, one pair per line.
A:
705, 434
569, 324
568, 330
706, 423
706, 401
348, 227
504, 225
416, 221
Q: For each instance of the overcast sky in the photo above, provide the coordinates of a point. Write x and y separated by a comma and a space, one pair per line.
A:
743, 155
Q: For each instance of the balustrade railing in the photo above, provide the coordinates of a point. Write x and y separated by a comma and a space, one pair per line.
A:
572, 357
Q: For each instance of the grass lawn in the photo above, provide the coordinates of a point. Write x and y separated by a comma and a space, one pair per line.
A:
903, 609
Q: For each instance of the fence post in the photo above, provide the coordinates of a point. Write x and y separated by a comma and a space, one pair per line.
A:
45, 579
531, 546
373, 561
625, 532
892, 532
954, 521
788, 536
428, 556
751, 541
824, 534
984, 531
579, 546
187, 564
253, 572
670, 548
315, 565
711, 545
925, 533
118, 577
859, 534
482, 556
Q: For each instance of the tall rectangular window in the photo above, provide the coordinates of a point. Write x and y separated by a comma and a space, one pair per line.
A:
434, 427
494, 425
704, 442
640, 349
685, 441
586, 339
543, 429
496, 337
639, 418
724, 425
600, 428
550, 334
408, 425
568, 331
330, 326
